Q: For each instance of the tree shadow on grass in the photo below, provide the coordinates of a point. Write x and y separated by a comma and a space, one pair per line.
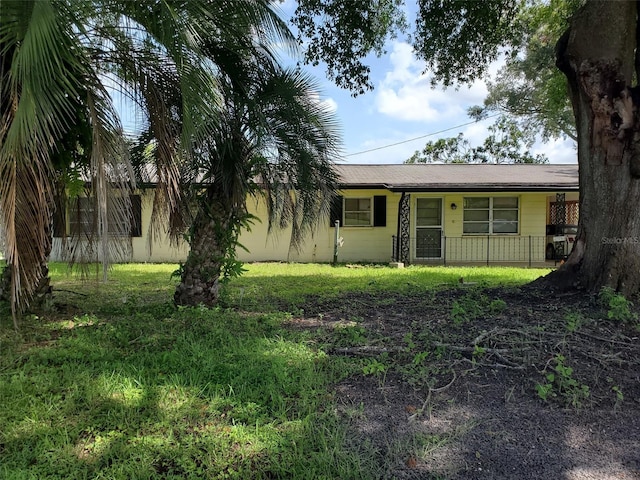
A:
200, 394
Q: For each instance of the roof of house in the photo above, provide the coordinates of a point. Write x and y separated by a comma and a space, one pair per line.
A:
460, 177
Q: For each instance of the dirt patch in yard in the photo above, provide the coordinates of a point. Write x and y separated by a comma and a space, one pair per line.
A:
502, 383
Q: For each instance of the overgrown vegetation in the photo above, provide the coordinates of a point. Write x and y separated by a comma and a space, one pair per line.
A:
119, 384
618, 307
116, 382
475, 305
560, 383
277, 286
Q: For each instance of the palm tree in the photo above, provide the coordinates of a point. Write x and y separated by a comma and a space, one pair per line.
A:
274, 140
60, 62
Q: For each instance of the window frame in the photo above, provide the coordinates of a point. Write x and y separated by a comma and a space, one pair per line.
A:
378, 214
81, 218
491, 220
345, 211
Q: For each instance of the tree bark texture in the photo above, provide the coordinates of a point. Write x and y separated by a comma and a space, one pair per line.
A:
200, 277
597, 54
41, 299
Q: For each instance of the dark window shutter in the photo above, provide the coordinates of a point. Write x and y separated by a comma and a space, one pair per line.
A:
336, 210
59, 222
136, 216
380, 211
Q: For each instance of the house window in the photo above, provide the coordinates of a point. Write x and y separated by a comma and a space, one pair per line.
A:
357, 212
490, 215
82, 213
82, 218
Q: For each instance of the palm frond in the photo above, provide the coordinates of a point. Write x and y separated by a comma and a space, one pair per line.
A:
305, 137
38, 87
198, 71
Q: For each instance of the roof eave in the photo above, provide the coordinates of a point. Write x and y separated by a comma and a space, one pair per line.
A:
483, 188
460, 188
365, 186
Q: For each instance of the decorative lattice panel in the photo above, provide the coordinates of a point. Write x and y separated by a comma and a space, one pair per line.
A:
566, 214
404, 228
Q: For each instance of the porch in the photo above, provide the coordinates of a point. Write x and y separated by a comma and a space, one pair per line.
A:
473, 249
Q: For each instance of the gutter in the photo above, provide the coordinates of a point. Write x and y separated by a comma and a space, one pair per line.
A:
461, 188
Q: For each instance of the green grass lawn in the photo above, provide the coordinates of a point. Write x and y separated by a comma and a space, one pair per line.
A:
119, 384
274, 285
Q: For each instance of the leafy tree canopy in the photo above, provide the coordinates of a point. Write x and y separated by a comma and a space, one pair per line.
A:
505, 144
457, 39
342, 34
529, 88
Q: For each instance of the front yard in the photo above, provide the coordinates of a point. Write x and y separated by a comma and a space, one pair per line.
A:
313, 371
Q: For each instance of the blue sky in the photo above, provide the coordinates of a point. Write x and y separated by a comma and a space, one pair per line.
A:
403, 106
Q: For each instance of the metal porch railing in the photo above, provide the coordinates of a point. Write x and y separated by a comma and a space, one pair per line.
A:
487, 249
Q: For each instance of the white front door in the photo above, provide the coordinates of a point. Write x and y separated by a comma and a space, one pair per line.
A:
428, 243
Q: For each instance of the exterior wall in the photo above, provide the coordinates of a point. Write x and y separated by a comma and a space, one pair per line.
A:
532, 206
374, 244
527, 246
361, 244
161, 250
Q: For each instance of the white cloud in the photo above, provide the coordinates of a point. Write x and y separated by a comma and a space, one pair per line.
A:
476, 132
558, 151
406, 93
329, 104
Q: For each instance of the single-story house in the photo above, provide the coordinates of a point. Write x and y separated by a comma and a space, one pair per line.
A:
418, 213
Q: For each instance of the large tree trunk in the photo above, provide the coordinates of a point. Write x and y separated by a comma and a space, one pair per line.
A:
200, 277
39, 296
597, 54
41, 299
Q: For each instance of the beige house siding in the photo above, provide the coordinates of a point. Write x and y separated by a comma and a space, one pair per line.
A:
374, 244
368, 244
161, 251
527, 245
361, 244
532, 215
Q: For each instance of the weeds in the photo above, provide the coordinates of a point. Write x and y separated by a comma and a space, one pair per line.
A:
475, 305
619, 395
573, 321
619, 308
127, 386
277, 285
478, 352
377, 367
350, 334
560, 384
159, 392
